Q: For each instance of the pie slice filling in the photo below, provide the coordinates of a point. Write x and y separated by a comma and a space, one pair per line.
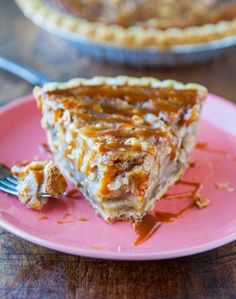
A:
122, 140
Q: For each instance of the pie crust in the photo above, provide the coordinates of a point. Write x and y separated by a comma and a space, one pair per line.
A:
131, 37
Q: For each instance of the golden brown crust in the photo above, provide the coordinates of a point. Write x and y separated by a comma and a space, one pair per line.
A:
119, 81
55, 182
131, 37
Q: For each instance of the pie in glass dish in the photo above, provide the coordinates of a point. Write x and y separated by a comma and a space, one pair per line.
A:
122, 140
158, 24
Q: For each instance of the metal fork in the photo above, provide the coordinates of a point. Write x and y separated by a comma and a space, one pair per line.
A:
28, 74
8, 182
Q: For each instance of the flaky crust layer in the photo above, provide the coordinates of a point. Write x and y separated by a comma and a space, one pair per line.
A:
119, 81
55, 182
132, 37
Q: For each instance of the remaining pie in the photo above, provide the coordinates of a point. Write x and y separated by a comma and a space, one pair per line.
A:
136, 23
37, 178
124, 140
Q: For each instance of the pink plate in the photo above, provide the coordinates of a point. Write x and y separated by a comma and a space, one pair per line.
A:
196, 231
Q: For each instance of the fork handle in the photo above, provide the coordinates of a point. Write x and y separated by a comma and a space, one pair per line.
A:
24, 72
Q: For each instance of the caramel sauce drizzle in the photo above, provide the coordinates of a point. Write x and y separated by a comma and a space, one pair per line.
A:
204, 147
192, 164
58, 114
74, 194
64, 222
91, 160
166, 97
38, 173
81, 157
114, 107
66, 215
152, 222
33, 168
44, 148
141, 183
146, 228
39, 176
93, 103
106, 178
123, 134
170, 217
83, 219
194, 194
44, 217
64, 219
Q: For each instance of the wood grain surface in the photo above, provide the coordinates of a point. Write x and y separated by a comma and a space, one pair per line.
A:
31, 271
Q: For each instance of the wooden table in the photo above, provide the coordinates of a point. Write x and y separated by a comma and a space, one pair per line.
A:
31, 271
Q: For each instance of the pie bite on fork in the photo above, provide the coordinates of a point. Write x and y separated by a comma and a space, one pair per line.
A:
36, 178
122, 140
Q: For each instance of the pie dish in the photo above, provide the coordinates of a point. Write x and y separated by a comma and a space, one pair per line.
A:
123, 140
35, 178
136, 24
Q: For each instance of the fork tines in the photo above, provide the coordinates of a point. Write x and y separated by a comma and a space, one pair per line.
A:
9, 185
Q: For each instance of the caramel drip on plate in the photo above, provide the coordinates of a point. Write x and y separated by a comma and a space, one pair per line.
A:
192, 164
66, 215
146, 228
64, 222
44, 148
83, 219
74, 194
44, 217
151, 223
193, 194
204, 147
170, 217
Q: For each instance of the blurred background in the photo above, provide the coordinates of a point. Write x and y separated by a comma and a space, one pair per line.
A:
22, 41
31, 271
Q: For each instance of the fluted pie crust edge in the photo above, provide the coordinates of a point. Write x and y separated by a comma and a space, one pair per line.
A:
122, 80
132, 37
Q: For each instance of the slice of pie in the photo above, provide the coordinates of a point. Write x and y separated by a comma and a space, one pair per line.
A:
124, 140
136, 23
37, 178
